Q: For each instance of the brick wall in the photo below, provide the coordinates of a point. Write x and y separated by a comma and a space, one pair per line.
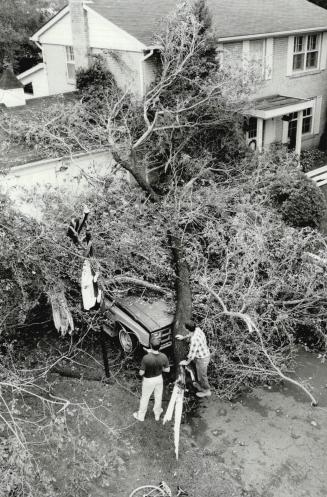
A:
307, 85
79, 33
124, 66
299, 86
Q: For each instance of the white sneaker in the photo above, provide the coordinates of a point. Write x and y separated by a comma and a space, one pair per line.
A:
136, 416
157, 418
203, 394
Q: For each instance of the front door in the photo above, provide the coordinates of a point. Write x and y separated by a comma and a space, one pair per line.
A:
292, 131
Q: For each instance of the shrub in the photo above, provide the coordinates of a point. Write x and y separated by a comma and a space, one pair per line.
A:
95, 80
312, 159
298, 200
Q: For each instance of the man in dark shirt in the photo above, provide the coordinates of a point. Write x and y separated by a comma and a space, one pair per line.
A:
152, 366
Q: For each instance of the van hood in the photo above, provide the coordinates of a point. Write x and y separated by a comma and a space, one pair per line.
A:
152, 315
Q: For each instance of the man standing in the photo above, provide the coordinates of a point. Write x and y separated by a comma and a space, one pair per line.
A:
152, 366
199, 353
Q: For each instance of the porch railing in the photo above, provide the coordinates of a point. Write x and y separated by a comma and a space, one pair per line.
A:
318, 175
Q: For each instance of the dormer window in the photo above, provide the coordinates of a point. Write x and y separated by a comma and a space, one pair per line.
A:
306, 52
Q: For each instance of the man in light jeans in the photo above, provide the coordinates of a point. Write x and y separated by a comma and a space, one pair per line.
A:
153, 365
199, 353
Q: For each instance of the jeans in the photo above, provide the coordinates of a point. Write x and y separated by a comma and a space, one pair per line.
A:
150, 385
201, 370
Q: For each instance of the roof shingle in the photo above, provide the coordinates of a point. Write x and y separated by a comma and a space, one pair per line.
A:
231, 18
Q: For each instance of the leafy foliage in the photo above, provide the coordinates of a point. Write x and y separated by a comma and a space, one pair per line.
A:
320, 3
299, 200
312, 159
18, 21
225, 205
95, 81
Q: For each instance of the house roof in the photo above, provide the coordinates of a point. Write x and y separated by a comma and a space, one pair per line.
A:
17, 154
30, 71
277, 102
8, 81
278, 105
231, 18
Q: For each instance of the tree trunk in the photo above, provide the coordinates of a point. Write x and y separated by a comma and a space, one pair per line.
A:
182, 283
137, 172
69, 373
183, 312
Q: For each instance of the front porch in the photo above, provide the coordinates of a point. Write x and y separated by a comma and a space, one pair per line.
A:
280, 119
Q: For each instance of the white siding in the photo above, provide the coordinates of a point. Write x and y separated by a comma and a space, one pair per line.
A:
317, 115
54, 57
102, 34
58, 34
269, 56
150, 70
39, 81
105, 34
323, 55
13, 97
269, 131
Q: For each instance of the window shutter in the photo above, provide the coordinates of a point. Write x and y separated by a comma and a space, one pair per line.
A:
246, 54
323, 56
317, 116
269, 58
290, 51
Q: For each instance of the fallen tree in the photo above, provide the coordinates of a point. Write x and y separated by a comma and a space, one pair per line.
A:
182, 144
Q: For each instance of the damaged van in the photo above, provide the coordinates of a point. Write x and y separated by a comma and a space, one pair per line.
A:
137, 322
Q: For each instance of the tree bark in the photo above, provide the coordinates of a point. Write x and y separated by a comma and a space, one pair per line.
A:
182, 283
183, 312
69, 373
137, 172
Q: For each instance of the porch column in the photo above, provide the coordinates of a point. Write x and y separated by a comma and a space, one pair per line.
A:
299, 132
285, 132
259, 134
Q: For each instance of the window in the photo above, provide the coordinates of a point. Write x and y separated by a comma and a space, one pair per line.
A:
252, 130
260, 55
257, 48
306, 52
292, 125
29, 89
307, 121
70, 60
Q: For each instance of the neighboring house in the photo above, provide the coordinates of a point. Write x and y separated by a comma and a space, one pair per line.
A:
11, 90
288, 38
35, 81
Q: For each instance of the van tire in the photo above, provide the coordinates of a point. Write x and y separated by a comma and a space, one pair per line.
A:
127, 340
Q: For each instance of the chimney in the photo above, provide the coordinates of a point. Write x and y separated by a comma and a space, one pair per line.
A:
80, 33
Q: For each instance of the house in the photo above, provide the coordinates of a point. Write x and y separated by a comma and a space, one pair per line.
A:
11, 90
288, 38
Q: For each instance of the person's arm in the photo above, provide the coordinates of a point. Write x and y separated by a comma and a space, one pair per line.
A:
166, 367
192, 352
142, 368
